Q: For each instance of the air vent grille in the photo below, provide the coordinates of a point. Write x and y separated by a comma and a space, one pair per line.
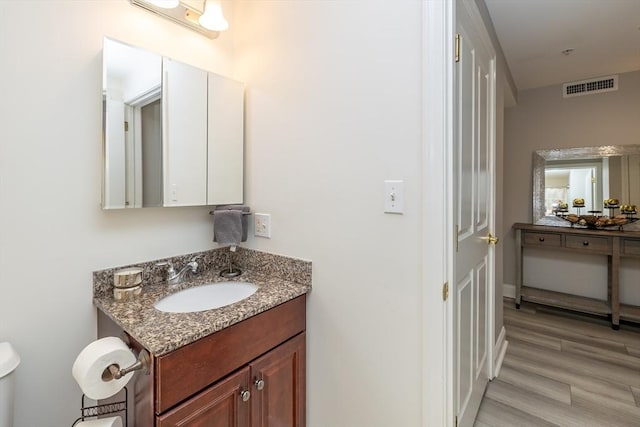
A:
591, 86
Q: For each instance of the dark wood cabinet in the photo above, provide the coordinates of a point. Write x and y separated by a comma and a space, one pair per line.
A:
221, 405
269, 392
278, 389
251, 374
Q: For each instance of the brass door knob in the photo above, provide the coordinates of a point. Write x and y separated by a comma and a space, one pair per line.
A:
491, 240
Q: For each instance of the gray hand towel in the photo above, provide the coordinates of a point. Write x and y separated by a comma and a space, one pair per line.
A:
245, 218
227, 227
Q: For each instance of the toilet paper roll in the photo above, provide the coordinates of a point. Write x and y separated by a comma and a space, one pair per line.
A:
92, 362
102, 422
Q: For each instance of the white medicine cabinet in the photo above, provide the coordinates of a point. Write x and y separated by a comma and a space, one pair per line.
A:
173, 134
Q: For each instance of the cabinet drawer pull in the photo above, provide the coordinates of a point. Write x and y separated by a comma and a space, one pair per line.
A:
245, 395
541, 239
259, 384
585, 243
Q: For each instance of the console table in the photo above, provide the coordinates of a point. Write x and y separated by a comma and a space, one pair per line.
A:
613, 244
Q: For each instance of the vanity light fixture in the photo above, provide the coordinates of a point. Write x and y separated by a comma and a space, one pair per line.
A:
212, 18
165, 4
202, 16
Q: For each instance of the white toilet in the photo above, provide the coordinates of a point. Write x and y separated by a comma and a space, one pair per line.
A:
9, 361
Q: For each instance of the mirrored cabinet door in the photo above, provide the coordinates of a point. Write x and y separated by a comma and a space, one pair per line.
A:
131, 83
225, 150
184, 90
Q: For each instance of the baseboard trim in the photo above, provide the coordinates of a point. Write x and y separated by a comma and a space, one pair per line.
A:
500, 350
508, 290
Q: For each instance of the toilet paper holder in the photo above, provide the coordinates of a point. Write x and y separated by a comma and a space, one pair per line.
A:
113, 407
143, 364
115, 372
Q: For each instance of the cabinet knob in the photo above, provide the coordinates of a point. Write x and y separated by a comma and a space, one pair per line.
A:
245, 395
541, 239
585, 243
259, 384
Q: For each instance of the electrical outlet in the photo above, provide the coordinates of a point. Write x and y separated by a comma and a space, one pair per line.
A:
262, 225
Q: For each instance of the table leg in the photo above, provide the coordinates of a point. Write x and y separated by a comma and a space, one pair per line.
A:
614, 283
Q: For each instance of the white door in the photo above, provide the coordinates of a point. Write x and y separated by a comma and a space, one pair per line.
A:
474, 212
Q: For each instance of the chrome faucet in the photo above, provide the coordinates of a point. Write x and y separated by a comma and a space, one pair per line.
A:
173, 277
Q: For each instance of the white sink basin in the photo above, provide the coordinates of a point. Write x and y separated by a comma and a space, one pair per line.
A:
206, 297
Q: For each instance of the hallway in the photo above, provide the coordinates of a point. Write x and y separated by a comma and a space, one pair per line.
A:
562, 369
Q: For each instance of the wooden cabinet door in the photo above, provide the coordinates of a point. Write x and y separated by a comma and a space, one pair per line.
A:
220, 405
279, 401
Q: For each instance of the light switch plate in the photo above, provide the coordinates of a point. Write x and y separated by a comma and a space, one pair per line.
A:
262, 225
394, 196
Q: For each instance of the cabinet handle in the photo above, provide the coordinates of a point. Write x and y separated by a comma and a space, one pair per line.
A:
541, 239
585, 243
245, 395
259, 384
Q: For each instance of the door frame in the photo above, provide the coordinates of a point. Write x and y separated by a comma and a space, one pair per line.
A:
438, 235
437, 231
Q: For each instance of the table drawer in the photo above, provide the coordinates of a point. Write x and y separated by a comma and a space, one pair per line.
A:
588, 243
541, 239
631, 247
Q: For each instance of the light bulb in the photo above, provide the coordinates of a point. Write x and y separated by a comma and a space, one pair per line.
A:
212, 18
164, 4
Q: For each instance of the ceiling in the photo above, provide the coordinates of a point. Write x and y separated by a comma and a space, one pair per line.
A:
605, 36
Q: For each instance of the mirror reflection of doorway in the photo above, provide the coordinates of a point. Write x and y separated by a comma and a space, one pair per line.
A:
151, 115
630, 179
143, 149
565, 181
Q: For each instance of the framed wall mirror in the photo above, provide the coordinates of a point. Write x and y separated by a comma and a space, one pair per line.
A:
590, 173
173, 134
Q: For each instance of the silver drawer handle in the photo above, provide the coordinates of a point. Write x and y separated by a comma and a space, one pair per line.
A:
245, 395
541, 239
585, 243
259, 384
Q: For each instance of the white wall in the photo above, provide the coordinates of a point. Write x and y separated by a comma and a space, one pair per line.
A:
333, 108
53, 233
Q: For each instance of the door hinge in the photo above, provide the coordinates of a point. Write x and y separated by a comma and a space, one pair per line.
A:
457, 52
126, 126
457, 236
456, 421
445, 291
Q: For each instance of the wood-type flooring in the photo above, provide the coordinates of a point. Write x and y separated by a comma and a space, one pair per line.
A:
563, 369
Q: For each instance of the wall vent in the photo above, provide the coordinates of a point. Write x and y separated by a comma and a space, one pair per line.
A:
591, 86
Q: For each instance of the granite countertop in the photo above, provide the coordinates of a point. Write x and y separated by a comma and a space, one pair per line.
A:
161, 332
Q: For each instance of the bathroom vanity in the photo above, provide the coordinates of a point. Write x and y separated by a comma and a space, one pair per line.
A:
612, 244
250, 374
240, 365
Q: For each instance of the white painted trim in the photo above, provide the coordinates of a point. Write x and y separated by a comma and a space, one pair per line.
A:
437, 235
499, 352
508, 290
